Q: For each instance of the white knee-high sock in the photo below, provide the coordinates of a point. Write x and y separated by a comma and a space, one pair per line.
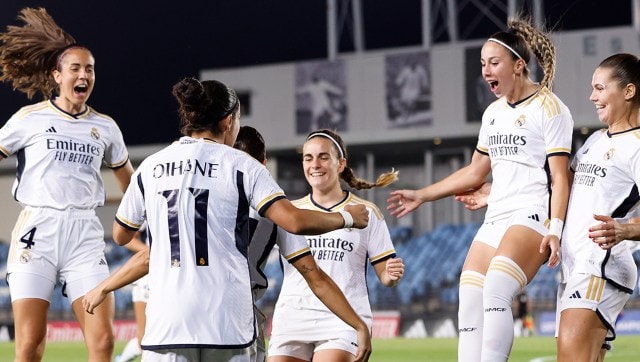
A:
470, 316
131, 350
503, 282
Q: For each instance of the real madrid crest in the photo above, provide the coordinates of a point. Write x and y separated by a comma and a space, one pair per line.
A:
520, 121
25, 257
609, 154
94, 133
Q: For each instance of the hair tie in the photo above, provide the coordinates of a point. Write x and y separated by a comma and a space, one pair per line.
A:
320, 133
506, 46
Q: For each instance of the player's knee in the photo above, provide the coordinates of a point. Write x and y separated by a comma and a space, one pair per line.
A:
504, 280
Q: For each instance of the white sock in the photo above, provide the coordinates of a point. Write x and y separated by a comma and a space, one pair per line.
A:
503, 282
470, 316
131, 350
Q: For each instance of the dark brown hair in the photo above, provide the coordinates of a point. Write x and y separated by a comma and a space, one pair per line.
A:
30, 52
202, 105
347, 174
625, 69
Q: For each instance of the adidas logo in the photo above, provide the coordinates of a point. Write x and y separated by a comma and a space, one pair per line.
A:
575, 295
102, 262
534, 217
51, 130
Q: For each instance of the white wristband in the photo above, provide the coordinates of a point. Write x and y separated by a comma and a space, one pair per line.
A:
348, 219
555, 227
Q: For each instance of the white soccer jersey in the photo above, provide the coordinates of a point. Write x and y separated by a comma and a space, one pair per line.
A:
518, 139
196, 195
264, 235
59, 155
607, 174
343, 255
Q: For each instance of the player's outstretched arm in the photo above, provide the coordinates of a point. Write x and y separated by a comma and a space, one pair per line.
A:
310, 222
135, 268
330, 294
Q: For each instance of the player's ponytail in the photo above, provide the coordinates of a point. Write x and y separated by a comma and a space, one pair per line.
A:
541, 45
30, 52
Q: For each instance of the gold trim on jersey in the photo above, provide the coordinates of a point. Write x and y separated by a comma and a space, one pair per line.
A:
550, 102
359, 200
381, 256
26, 110
68, 116
268, 199
471, 279
5, 151
558, 149
295, 254
595, 288
508, 269
129, 223
106, 116
121, 163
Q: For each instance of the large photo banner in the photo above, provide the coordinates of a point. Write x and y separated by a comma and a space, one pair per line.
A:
321, 96
408, 86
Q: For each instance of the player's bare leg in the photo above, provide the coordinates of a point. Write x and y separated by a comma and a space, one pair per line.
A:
30, 318
97, 328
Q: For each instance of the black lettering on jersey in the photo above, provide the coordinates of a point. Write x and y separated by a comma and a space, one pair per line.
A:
28, 238
182, 167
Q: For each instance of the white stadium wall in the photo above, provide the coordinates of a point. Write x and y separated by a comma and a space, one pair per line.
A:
273, 100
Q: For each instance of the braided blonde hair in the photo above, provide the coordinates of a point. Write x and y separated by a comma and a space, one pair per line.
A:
541, 45
30, 52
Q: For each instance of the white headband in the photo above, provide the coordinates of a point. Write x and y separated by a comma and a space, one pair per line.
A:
329, 137
506, 46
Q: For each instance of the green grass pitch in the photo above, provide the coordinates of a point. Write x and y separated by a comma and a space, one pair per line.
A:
533, 349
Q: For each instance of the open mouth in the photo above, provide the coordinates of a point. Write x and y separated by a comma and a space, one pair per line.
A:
81, 89
493, 85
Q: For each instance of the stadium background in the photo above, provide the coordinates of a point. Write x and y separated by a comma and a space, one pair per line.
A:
266, 50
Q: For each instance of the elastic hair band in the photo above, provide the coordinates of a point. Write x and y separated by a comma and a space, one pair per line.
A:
64, 50
329, 137
506, 46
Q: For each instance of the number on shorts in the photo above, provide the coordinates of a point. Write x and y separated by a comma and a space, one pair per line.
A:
28, 238
199, 225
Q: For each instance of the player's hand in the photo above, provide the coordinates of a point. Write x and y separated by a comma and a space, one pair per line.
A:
551, 242
360, 215
395, 269
475, 199
608, 233
402, 202
93, 298
364, 345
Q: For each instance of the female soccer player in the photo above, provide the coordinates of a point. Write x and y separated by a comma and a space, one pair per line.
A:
598, 270
195, 196
302, 327
525, 142
61, 144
